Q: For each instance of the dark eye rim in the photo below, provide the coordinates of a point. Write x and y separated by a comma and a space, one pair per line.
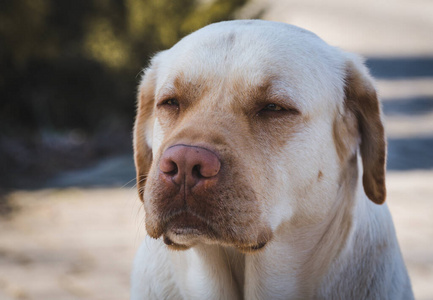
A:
272, 107
277, 110
169, 102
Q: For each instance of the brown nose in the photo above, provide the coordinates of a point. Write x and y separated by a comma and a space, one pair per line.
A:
189, 164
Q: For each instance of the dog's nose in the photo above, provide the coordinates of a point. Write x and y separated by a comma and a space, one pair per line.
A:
189, 164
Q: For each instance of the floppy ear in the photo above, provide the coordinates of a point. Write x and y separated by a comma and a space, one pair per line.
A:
142, 128
362, 101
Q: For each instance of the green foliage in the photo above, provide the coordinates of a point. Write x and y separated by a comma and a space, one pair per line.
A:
74, 64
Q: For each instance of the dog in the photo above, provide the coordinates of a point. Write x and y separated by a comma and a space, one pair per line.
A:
260, 156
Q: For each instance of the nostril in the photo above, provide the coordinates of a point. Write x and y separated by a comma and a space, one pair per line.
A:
174, 171
196, 171
169, 167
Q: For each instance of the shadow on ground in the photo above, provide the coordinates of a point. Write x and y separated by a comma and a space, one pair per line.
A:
116, 171
410, 153
416, 106
400, 67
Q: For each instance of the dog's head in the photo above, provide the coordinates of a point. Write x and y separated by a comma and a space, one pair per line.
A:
244, 125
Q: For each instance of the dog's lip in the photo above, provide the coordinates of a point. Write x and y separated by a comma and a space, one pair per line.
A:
252, 248
187, 223
185, 229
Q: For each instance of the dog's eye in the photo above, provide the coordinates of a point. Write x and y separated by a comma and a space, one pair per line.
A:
272, 107
171, 102
275, 110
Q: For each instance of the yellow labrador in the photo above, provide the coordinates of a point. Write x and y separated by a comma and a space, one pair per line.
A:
260, 157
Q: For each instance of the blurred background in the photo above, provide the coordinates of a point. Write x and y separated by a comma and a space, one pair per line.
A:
70, 220
69, 72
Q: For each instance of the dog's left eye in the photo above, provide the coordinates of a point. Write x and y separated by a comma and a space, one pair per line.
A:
171, 102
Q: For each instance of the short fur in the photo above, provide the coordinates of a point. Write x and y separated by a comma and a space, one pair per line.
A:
294, 213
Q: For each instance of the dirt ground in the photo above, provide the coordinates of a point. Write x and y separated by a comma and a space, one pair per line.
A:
69, 244
75, 237
78, 243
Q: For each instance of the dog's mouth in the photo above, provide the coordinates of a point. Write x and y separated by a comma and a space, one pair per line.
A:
186, 229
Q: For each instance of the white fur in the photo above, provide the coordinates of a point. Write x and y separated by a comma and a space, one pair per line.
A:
295, 264
157, 136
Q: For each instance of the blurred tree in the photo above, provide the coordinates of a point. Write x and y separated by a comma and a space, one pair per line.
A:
73, 64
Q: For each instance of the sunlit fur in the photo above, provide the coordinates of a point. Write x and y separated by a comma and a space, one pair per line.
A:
303, 185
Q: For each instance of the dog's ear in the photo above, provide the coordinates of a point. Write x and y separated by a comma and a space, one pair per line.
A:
143, 128
361, 99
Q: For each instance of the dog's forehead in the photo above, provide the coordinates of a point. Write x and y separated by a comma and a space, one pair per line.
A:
252, 54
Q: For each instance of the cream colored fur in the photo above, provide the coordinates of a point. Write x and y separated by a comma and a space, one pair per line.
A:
329, 240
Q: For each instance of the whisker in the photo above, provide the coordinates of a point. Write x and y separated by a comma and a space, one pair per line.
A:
123, 186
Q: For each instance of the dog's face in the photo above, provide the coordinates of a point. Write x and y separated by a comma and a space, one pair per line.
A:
245, 125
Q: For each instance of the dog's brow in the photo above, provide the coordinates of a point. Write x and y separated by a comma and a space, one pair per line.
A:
179, 86
271, 91
256, 91
262, 91
167, 91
